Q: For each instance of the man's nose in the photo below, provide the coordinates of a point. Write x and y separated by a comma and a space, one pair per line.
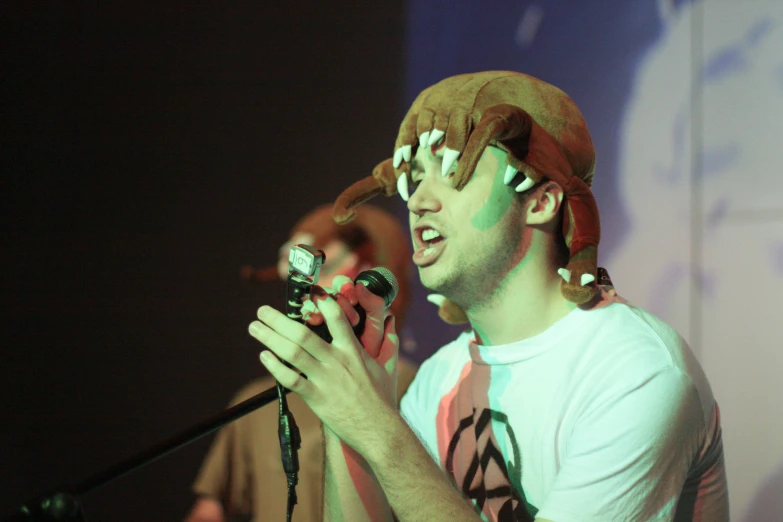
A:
425, 198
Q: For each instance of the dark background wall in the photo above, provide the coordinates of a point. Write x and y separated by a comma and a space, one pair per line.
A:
149, 150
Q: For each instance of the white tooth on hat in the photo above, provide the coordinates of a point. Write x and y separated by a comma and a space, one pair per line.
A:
402, 186
424, 138
435, 137
406, 152
397, 158
449, 157
436, 299
510, 173
565, 274
525, 185
587, 279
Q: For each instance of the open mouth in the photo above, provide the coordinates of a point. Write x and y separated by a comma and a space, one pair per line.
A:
430, 244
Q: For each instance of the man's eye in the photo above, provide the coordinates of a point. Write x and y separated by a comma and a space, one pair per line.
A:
415, 180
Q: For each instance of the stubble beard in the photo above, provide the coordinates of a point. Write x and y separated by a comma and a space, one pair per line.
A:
477, 280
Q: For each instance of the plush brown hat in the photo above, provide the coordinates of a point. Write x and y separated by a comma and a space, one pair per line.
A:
540, 128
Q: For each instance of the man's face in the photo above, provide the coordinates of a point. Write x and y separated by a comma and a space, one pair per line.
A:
465, 242
339, 259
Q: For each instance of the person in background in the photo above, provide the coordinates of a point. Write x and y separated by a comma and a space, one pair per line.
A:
242, 474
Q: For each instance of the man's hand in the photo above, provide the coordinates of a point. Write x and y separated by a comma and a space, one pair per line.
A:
350, 390
374, 334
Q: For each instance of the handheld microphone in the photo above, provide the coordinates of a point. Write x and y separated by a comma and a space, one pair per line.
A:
381, 282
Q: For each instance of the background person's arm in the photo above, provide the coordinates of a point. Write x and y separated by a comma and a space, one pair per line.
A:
206, 510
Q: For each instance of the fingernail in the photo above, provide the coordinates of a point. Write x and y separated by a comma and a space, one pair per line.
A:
254, 327
264, 356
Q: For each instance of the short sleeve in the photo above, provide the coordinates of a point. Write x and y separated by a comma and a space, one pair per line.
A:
217, 478
408, 402
406, 372
226, 473
629, 454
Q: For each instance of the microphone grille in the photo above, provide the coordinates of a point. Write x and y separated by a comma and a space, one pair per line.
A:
389, 277
381, 282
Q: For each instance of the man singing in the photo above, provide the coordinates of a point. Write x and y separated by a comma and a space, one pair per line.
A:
563, 402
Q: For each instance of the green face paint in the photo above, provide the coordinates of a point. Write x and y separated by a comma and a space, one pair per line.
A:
500, 198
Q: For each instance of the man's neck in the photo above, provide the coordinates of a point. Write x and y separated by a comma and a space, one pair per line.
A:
529, 302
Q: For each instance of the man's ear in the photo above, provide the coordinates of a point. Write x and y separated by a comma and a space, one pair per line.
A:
543, 205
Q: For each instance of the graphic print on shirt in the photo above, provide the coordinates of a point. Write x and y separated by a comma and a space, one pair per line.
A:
476, 443
492, 483
477, 446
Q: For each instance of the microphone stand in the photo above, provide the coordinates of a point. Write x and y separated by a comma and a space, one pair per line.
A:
63, 505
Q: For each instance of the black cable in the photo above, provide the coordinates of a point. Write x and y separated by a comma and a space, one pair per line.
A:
287, 430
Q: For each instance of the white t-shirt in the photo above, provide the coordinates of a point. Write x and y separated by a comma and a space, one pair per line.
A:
605, 416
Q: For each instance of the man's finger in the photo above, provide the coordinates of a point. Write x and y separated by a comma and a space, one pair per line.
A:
372, 304
350, 312
344, 285
345, 304
289, 352
373, 326
288, 335
285, 375
310, 313
314, 319
390, 347
339, 328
